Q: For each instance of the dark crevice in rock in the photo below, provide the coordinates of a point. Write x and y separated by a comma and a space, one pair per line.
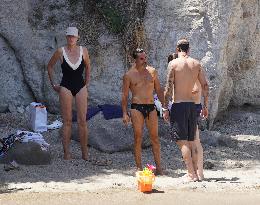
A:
19, 61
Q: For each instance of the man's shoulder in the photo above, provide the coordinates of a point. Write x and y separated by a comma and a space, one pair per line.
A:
151, 69
129, 73
194, 61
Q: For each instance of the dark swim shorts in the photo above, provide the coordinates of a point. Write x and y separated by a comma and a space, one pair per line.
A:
198, 109
183, 121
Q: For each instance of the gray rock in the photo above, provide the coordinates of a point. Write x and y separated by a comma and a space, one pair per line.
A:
14, 91
224, 36
215, 37
110, 135
208, 165
29, 153
214, 138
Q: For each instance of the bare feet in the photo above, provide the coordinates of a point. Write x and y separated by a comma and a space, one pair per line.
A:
188, 178
158, 172
200, 176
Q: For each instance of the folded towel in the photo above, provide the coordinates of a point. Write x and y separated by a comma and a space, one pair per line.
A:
92, 111
111, 111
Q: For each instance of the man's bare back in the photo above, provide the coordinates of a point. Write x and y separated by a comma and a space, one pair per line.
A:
185, 73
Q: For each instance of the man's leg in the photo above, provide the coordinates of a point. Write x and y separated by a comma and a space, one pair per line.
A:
138, 125
185, 148
194, 155
66, 100
200, 156
81, 103
152, 125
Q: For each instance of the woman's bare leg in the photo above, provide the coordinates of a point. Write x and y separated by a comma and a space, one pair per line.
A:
81, 104
66, 100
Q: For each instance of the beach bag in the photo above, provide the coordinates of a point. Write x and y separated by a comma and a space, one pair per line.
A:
37, 117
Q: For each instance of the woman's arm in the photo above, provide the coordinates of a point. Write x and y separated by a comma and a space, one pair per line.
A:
87, 66
50, 67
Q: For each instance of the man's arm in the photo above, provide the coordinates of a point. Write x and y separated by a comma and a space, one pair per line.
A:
125, 92
157, 87
168, 92
205, 89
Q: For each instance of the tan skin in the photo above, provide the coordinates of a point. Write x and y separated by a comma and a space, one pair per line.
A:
142, 80
183, 72
196, 94
66, 98
197, 98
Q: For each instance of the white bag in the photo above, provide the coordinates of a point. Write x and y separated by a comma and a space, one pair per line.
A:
38, 117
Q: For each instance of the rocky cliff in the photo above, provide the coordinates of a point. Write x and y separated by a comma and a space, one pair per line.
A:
224, 35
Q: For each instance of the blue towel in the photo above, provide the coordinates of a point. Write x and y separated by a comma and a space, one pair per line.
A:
92, 111
111, 111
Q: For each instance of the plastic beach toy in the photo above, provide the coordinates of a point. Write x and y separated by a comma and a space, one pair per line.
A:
146, 178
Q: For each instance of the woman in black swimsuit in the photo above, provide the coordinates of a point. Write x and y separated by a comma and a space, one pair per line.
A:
74, 61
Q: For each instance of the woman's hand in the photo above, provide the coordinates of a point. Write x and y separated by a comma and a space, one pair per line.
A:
56, 88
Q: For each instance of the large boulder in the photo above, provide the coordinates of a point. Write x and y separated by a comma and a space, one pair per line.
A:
28, 153
14, 90
110, 135
224, 36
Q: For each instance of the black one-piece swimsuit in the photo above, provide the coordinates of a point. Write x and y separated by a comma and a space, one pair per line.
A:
72, 78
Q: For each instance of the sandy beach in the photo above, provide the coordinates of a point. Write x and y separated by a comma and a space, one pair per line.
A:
233, 176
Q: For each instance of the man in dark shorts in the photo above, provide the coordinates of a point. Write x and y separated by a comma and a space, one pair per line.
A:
142, 80
183, 72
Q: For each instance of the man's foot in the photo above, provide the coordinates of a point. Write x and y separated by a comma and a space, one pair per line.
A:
187, 178
159, 172
200, 176
67, 156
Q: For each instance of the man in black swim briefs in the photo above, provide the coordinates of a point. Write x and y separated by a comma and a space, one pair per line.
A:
142, 80
183, 72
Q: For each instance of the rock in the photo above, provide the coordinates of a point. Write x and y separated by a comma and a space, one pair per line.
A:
208, 165
238, 165
110, 135
30, 32
214, 138
29, 153
215, 37
14, 91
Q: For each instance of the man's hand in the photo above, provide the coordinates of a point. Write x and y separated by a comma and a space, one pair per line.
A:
205, 112
166, 116
126, 118
56, 88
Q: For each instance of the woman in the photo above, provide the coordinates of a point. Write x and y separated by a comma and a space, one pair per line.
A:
197, 98
74, 61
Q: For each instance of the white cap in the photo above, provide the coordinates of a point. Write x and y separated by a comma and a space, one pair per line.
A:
72, 31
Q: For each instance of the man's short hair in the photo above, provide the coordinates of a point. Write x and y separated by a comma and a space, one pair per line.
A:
172, 56
137, 51
183, 45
